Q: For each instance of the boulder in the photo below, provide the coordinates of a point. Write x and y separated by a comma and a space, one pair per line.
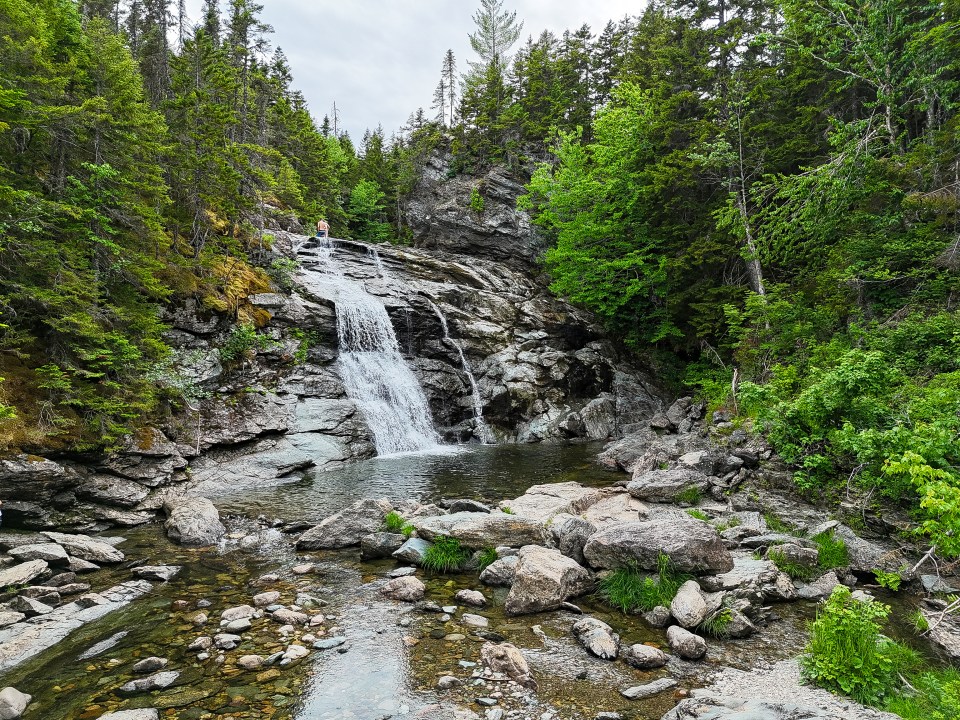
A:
13, 703
506, 659
793, 553
192, 520
51, 552
482, 530
544, 579
659, 617
643, 657
380, 545
685, 644
501, 572
347, 527
639, 692
866, 556
405, 589
413, 550
29, 606
87, 548
692, 545
597, 637
473, 598
542, 502
664, 486
23, 573
688, 606
820, 588
616, 508
724, 708
464, 505
570, 533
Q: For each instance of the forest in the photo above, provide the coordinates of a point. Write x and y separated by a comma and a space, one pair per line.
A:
760, 196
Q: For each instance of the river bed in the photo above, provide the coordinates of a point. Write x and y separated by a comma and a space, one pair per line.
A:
392, 657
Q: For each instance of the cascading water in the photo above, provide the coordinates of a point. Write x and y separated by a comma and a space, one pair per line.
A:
374, 373
481, 428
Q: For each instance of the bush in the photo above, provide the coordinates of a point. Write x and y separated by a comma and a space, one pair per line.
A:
243, 342
445, 555
937, 697
889, 580
477, 203
847, 654
282, 271
629, 589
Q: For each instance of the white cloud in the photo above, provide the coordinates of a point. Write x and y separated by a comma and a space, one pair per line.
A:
379, 60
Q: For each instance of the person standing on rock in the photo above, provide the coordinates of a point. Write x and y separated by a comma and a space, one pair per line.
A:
323, 229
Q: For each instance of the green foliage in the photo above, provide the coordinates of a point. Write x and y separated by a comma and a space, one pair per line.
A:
445, 555
919, 621
630, 590
716, 625
477, 203
689, 496
775, 524
393, 522
486, 558
832, 550
847, 653
407, 530
282, 272
698, 514
506, 509
937, 697
889, 580
366, 211
243, 342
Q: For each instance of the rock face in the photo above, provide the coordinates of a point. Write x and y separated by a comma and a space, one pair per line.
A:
192, 520
692, 545
482, 530
543, 580
347, 527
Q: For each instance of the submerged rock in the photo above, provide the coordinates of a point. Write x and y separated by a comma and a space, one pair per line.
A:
543, 580
597, 637
158, 681
692, 545
347, 527
507, 659
405, 589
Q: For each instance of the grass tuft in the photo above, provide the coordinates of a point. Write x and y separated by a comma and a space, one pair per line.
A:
629, 589
698, 514
716, 626
833, 550
445, 555
393, 522
486, 558
795, 570
689, 496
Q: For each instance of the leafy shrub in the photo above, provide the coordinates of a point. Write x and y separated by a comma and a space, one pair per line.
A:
243, 342
889, 580
833, 550
937, 697
847, 653
486, 558
282, 272
630, 589
477, 203
393, 522
445, 555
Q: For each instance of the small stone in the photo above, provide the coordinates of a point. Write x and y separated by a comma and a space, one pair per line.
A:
29, 606
201, 643
405, 589
448, 682
650, 689
237, 613
201, 604
329, 643
250, 662
266, 598
402, 572
62, 579
473, 598
608, 716
486, 702
597, 637
226, 641
474, 620
294, 653
238, 626
659, 617
685, 644
290, 617
150, 664
13, 703
156, 572
158, 681
302, 569
643, 657
199, 619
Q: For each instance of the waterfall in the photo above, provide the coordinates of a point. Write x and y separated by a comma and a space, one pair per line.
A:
481, 428
374, 373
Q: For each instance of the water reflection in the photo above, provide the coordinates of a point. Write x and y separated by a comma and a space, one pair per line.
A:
486, 473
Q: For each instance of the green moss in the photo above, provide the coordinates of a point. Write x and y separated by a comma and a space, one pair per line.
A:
445, 555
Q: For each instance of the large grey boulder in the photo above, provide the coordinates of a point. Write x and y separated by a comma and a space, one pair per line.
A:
347, 527
643, 657
692, 545
380, 545
570, 533
719, 708
756, 580
664, 486
501, 572
482, 530
542, 502
543, 580
51, 552
87, 548
413, 550
944, 631
192, 520
688, 606
23, 573
597, 637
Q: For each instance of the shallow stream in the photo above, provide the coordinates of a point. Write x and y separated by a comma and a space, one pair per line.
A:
393, 657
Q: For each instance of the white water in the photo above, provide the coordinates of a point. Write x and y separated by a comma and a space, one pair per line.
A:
374, 373
481, 428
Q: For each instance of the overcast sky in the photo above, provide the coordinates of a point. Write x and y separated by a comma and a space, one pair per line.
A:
380, 59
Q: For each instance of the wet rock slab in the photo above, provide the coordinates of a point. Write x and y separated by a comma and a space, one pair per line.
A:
481, 530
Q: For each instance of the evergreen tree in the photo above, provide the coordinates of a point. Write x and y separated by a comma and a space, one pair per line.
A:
497, 31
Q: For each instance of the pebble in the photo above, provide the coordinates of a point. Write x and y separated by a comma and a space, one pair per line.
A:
238, 626
471, 597
449, 609
329, 643
644, 691
486, 701
201, 604
150, 664
301, 569
237, 613
199, 619
447, 682
294, 653
226, 641
201, 643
